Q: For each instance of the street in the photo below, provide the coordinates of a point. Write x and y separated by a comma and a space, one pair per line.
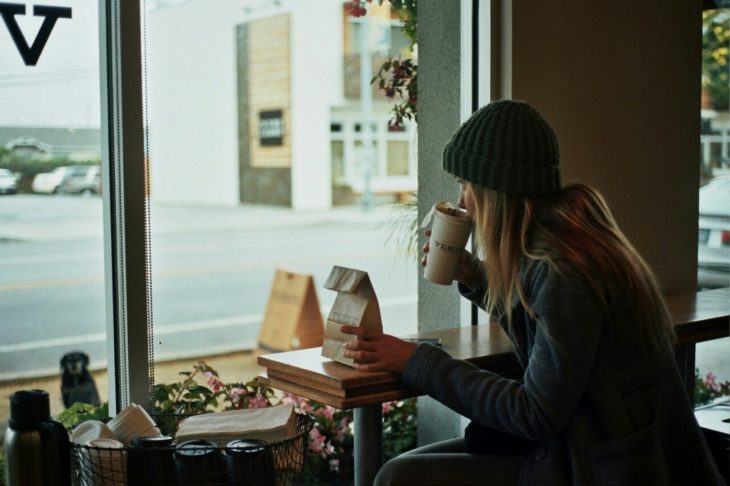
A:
212, 270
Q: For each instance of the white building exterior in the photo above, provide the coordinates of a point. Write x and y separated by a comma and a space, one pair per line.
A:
194, 105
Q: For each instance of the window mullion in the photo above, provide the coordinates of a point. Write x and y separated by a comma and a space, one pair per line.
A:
125, 204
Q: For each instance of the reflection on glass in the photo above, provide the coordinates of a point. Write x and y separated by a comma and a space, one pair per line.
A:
254, 160
713, 257
51, 243
714, 200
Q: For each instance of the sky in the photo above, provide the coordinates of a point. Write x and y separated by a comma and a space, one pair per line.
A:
62, 89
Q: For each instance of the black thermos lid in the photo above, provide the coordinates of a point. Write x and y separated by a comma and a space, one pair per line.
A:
28, 408
152, 442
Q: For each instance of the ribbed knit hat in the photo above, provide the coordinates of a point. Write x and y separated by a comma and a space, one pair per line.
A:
508, 147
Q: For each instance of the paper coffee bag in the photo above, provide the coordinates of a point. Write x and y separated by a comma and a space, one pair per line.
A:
355, 305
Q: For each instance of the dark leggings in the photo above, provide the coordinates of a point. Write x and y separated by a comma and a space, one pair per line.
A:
446, 463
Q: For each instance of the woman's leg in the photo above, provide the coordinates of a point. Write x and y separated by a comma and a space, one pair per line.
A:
446, 463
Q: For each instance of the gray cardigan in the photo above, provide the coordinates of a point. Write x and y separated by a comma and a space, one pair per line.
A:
605, 409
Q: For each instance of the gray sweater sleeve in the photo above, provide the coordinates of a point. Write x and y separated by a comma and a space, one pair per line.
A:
567, 333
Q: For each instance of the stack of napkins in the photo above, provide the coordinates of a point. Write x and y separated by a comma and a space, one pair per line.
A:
270, 424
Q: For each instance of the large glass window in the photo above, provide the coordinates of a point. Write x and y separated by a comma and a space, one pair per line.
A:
713, 258
51, 231
254, 167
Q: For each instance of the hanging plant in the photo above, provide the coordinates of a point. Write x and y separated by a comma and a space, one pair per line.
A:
397, 78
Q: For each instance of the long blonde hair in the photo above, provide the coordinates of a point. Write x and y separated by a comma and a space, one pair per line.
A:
573, 230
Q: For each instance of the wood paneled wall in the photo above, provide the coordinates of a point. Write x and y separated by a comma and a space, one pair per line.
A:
269, 86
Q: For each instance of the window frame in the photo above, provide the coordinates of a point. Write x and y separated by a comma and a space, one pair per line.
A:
126, 232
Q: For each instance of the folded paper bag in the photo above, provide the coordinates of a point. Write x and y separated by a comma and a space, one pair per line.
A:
270, 424
355, 305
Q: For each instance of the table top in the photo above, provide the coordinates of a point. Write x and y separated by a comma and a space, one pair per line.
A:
697, 317
700, 316
305, 372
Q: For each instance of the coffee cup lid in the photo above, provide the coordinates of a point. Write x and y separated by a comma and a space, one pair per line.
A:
150, 442
244, 446
104, 443
195, 448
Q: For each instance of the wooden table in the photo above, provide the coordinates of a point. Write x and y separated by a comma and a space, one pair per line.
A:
306, 373
697, 317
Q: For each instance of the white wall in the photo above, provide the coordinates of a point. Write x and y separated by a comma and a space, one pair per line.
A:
192, 102
316, 60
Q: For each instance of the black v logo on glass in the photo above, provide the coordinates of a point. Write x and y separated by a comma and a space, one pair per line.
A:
30, 54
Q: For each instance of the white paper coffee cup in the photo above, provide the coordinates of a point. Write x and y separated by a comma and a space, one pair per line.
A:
450, 231
107, 463
132, 422
90, 430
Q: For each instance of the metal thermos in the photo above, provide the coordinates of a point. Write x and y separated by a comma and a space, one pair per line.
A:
36, 447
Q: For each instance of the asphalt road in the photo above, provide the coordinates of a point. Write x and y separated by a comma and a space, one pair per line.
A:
212, 270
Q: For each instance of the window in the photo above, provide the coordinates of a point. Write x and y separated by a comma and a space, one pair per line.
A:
229, 204
713, 257
52, 277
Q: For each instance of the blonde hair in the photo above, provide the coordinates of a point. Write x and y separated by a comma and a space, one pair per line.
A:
574, 231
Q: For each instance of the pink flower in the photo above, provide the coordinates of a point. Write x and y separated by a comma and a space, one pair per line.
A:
387, 407
328, 412
317, 441
213, 381
355, 8
237, 395
711, 382
301, 404
258, 402
304, 406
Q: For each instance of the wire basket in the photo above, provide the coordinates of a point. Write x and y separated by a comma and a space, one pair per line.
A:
266, 464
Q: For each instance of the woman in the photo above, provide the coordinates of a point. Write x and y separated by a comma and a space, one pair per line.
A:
601, 401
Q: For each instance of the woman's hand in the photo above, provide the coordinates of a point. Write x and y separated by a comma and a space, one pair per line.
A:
468, 272
375, 351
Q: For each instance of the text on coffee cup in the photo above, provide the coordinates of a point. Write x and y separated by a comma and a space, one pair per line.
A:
448, 248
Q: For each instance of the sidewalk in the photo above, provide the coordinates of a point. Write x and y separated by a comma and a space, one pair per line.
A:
38, 218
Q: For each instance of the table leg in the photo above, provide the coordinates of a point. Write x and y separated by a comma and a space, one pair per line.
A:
368, 438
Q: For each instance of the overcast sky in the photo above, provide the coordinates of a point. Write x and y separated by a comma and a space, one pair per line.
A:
62, 90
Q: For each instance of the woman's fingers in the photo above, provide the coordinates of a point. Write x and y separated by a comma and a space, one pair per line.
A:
354, 330
361, 356
370, 367
360, 345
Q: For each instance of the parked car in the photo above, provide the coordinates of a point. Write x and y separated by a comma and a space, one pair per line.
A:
51, 182
8, 182
713, 256
84, 183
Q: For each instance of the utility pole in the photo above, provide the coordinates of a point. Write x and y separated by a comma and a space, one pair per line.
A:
366, 102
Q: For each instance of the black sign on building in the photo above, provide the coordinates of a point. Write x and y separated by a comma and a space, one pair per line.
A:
271, 127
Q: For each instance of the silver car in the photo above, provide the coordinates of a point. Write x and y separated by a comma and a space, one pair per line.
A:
713, 256
8, 182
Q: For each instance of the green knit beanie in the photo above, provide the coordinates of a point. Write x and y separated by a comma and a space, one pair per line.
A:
508, 147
